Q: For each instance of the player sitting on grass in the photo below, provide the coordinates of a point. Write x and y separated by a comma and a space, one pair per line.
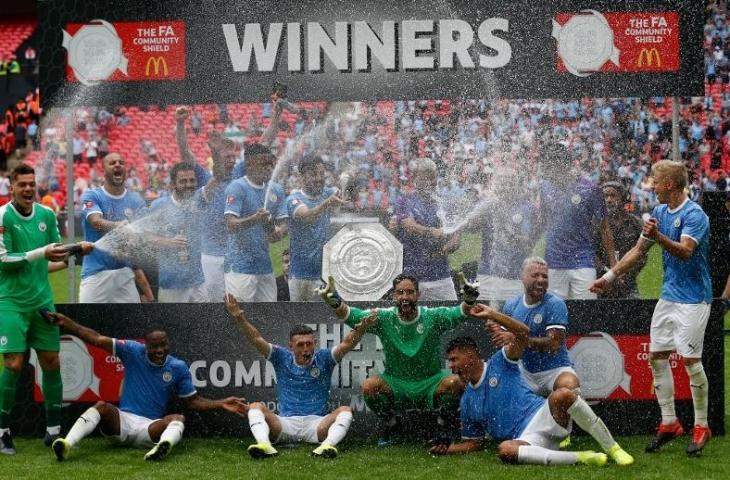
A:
497, 402
151, 377
303, 381
411, 337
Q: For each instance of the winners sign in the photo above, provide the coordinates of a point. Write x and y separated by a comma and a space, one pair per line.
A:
366, 50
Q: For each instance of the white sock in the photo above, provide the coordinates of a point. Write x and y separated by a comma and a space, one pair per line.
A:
338, 430
698, 385
3, 431
587, 419
664, 389
534, 455
54, 430
259, 427
173, 432
84, 425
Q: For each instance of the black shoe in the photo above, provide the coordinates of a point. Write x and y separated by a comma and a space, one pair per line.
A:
6, 444
48, 439
391, 433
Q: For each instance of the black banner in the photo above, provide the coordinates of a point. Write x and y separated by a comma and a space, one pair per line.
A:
608, 342
336, 50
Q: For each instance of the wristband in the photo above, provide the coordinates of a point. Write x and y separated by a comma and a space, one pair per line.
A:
609, 276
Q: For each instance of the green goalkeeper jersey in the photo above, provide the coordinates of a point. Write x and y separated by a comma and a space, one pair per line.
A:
412, 349
24, 283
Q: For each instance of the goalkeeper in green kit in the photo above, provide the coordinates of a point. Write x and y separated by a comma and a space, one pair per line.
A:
29, 249
411, 338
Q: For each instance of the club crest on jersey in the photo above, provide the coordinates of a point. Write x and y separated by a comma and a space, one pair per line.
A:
677, 223
167, 377
3, 341
272, 197
575, 199
493, 382
517, 218
419, 328
537, 318
230, 199
314, 372
42, 227
88, 204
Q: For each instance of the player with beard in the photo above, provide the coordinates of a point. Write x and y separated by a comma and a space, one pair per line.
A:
626, 229
426, 247
105, 279
497, 405
151, 378
309, 220
210, 200
255, 215
180, 271
680, 227
411, 338
28, 251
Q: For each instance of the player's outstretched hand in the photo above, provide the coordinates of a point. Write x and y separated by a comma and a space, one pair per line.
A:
182, 113
440, 445
481, 311
58, 319
232, 305
500, 337
329, 294
599, 286
235, 405
56, 252
86, 247
468, 291
369, 321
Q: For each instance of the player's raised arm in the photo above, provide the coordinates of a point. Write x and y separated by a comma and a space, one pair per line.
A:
632, 257
86, 334
355, 335
252, 334
329, 294
181, 136
515, 327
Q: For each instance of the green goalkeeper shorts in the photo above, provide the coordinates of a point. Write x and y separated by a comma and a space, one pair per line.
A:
414, 393
21, 330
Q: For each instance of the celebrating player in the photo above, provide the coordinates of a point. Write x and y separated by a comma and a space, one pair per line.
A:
151, 377
309, 221
681, 228
303, 381
255, 215
180, 271
411, 337
497, 402
105, 279
28, 250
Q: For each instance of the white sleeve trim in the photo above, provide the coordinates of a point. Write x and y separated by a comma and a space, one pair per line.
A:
646, 238
504, 354
36, 254
114, 347
271, 350
473, 438
230, 212
294, 213
690, 236
561, 327
189, 394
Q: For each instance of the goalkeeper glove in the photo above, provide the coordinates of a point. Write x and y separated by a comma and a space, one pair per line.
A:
468, 291
329, 293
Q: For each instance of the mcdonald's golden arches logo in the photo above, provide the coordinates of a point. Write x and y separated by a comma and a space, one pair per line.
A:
649, 57
159, 64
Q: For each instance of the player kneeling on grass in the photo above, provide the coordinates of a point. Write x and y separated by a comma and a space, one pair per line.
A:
497, 402
151, 376
303, 380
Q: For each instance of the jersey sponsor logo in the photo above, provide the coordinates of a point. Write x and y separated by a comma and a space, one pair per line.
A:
314, 372
167, 377
419, 328
42, 227
677, 223
575, 199
230, 199
537, 318
493, 382
88, 204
